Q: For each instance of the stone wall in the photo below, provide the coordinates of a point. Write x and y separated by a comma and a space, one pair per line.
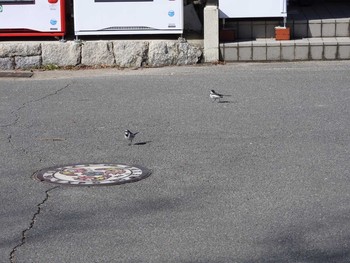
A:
124, 54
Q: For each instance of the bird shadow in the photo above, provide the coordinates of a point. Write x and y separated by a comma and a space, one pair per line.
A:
225, 101
142, 143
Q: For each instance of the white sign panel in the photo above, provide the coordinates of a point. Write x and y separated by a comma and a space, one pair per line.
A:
252, 8
101, 17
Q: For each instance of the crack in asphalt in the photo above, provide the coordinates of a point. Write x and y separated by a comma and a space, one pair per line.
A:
17, 117
25, 151
31, 225
16, 112
9, 139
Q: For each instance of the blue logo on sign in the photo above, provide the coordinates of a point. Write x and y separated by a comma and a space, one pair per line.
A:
53, 22
171, 13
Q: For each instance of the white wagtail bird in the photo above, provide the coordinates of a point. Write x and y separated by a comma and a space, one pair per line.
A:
129, 135
214, 95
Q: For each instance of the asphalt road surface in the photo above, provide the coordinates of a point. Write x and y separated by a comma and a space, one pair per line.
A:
262, 177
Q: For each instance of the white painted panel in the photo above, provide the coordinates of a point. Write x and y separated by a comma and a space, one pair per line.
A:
128, 17
40, 16
252, 8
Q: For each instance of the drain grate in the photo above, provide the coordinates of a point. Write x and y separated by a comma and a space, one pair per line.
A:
18, 74
92, 174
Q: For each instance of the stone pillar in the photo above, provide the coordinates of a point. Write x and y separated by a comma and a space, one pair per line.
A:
211, 32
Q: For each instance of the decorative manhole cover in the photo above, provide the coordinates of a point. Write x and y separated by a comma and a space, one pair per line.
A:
92, 174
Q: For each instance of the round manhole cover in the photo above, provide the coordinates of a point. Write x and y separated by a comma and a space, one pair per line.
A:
93, 174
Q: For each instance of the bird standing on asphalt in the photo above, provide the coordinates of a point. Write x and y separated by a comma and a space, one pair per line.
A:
129, 135
214, 95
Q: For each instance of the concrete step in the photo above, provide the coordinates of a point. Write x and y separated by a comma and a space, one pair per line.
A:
288, 50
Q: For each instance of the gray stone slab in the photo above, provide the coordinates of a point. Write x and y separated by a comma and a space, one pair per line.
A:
9, 49
161, 53
130, 53
97, 53
287, 50
7, 63
229, 52
315, 28
165, 53
343, 48
259, 50
27, 62
343, 40
302, 42
344, 52
231, 44
330, 48
187, 54
328, 28
61, 54
273, 50
342, 28
316, 51
330, 51
245, 51
301, 49
330, 41
314, 41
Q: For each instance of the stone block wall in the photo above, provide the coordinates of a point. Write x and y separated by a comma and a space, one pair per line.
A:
124, 54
